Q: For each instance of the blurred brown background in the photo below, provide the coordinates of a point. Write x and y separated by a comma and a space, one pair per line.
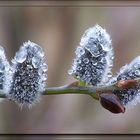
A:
58, 30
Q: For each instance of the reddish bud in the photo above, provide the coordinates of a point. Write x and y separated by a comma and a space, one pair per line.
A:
111, 102
126, 83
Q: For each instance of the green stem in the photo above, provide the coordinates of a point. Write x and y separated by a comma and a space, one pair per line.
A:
70, 89
74, 88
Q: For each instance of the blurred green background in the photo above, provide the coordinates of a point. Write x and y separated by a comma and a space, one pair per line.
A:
58, 30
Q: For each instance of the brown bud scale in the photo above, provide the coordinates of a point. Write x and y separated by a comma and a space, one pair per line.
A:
111, 102
124, 84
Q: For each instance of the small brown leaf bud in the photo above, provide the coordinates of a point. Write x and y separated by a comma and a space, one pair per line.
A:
111, 102
124, 84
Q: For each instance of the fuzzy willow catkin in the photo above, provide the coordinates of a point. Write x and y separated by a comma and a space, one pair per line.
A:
28, 75
94, 57
129, 96
4, 71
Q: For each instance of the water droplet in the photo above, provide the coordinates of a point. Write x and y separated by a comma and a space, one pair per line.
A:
35, 62
79, 68
74, 71
109, 74
137, 72
40, 52
78, 61
80, 51
130, 98
94, 50
44, 77
113, 80
40, 72
91, 41
94, 62
130, 74
70, 72
21, 56
86, 60
126, 96
29, 67
110, 64
123, 77
112, 57
18, 79
45, 67
137, 65
103, 60
107, 47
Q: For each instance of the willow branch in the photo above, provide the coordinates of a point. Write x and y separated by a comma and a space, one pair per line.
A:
94, 91
74, 88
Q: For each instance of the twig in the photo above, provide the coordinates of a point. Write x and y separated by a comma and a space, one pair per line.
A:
94, 91
74, 88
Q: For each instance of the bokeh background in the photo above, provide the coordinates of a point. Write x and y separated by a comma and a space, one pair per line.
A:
58, 29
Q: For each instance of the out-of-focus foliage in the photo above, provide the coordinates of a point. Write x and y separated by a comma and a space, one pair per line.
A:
58, 30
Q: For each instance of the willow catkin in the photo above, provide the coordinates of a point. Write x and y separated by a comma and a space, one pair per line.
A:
28, 74
94, 57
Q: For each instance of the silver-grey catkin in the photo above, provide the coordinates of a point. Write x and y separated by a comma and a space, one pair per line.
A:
28, 75
129, 96
94, 57
4, 72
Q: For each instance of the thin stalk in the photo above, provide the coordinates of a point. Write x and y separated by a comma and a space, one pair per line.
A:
75, 88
